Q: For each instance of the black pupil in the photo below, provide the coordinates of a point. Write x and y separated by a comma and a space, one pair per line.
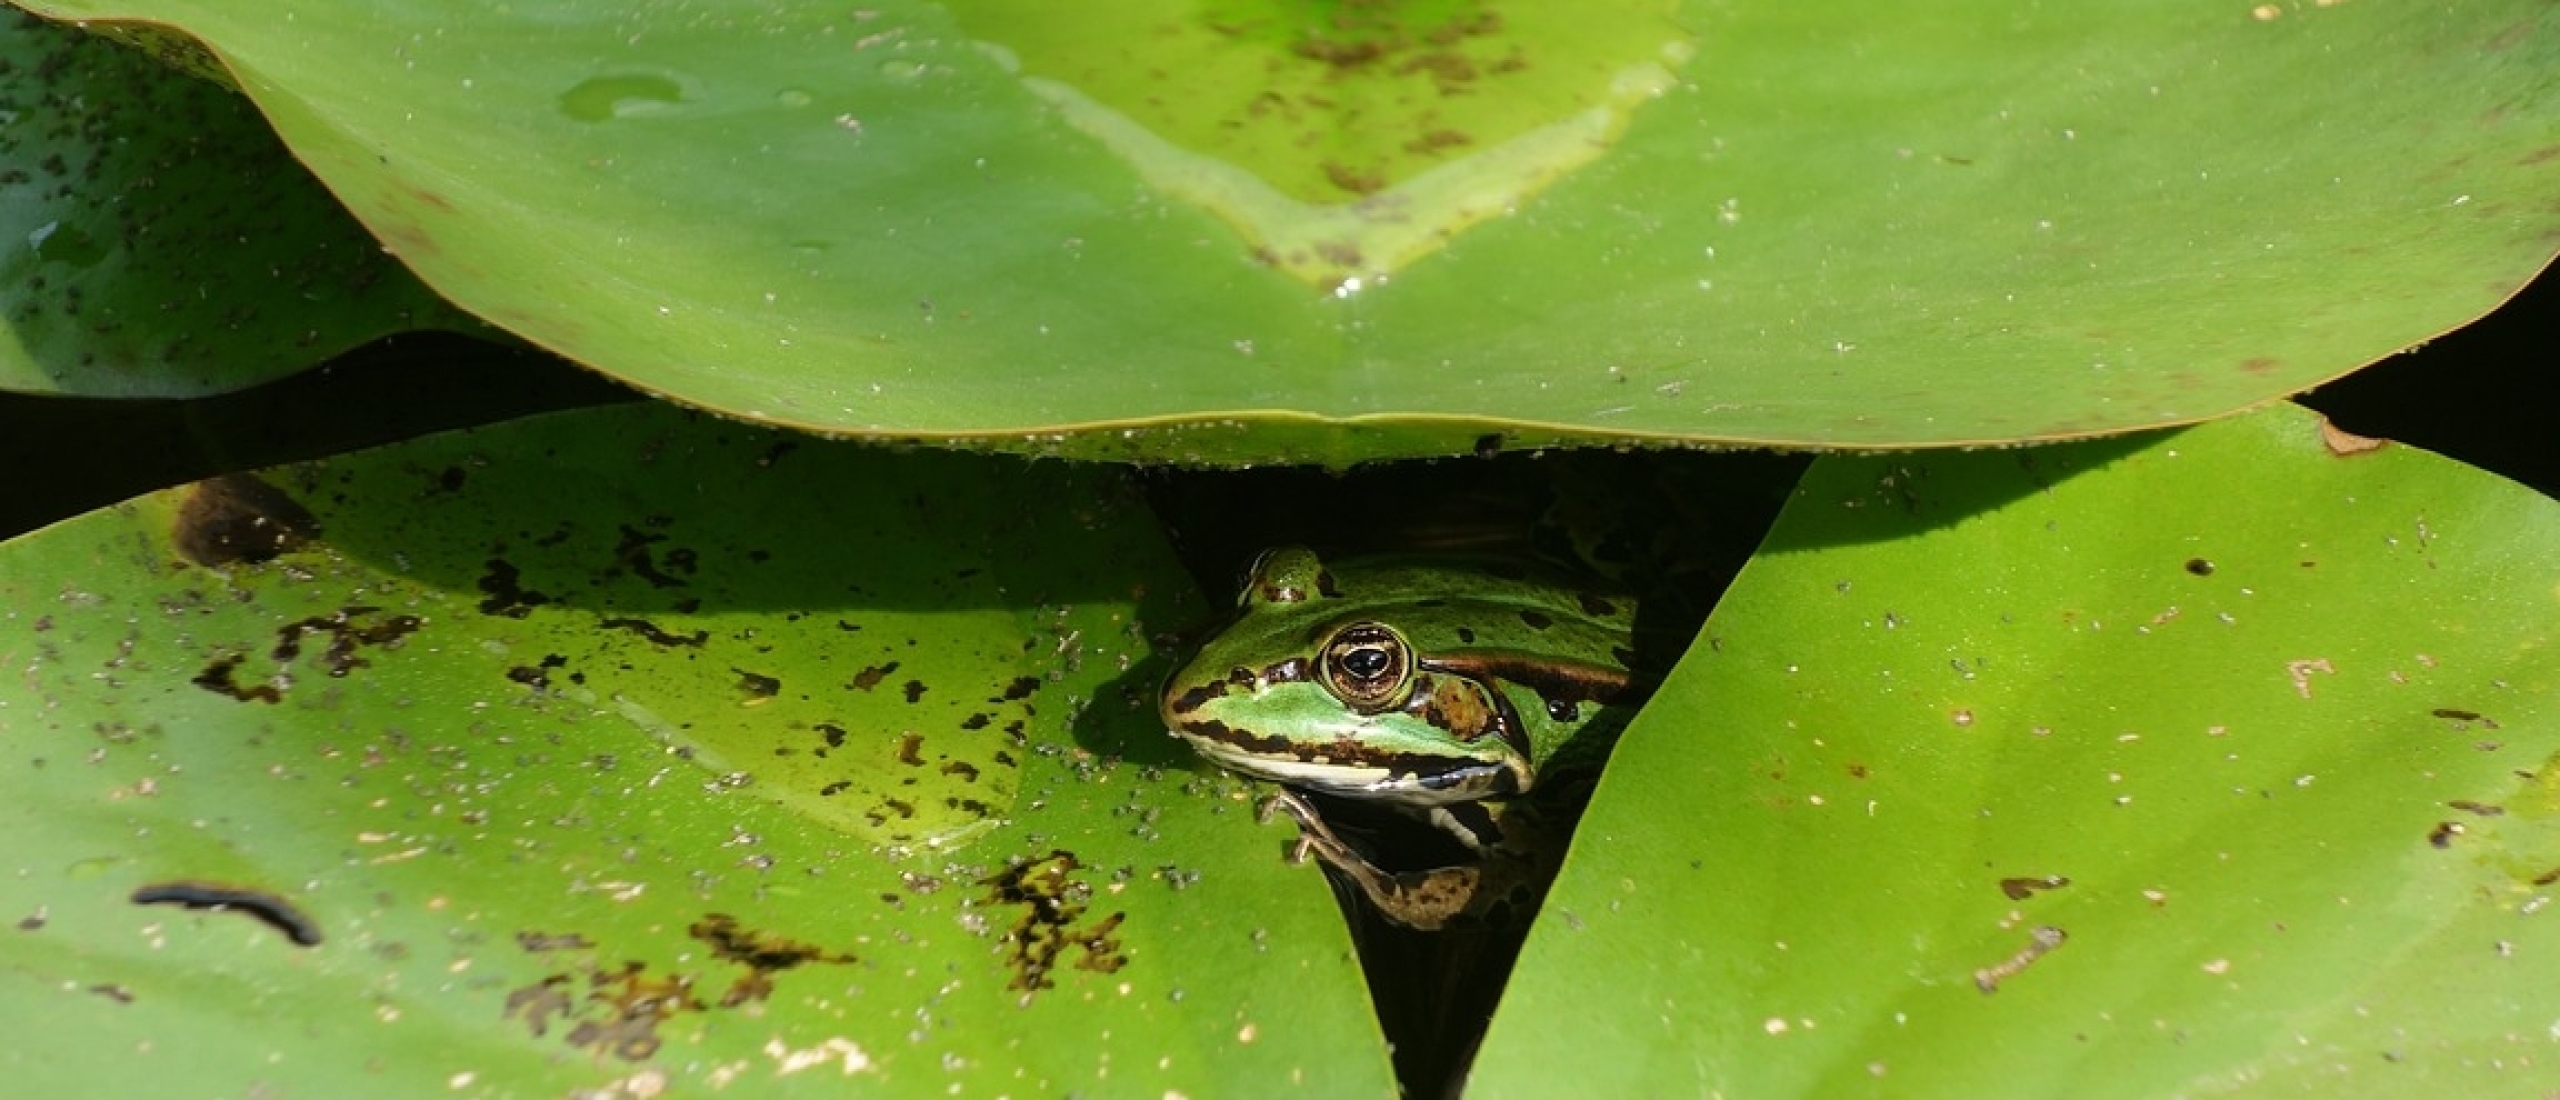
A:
1367, 662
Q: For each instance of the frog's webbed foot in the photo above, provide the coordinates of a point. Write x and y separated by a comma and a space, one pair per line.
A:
1425, 899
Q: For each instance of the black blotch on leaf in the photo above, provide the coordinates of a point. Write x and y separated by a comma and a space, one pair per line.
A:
347, 634
506, 591
238, 518
264, 905
657, 635
220, 678
632, 554
756, 685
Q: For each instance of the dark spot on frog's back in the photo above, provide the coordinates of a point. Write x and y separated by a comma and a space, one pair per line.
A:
1598, 607
1325, 586
1537, 620
1467, 635
239, 518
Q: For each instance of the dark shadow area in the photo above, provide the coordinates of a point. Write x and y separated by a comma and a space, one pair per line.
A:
1673, 526
71, 455
2484, 394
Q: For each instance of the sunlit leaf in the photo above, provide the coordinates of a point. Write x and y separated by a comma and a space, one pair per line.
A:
2215, 763
1828, 224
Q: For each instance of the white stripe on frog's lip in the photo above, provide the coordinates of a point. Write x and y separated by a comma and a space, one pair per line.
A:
1459, 783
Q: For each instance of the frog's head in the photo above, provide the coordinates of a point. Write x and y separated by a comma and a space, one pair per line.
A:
1316, 687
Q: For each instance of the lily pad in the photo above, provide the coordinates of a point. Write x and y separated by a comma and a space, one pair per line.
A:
2223, 762
1822, 225
621, 753
161, 243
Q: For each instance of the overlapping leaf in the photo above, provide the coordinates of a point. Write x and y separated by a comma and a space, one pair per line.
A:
1165, 235
161, 243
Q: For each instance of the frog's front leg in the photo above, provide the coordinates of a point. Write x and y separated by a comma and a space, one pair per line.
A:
1424, 900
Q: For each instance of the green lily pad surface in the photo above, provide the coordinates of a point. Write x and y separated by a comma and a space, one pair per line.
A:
624, 753
1247, 230
158, 241
2216, 763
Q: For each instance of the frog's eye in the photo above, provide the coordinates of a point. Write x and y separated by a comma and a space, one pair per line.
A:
1369, 666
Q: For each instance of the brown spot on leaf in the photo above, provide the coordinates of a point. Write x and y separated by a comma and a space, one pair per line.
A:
762, 953
541, 942
239, 518
1053, 903
870, 678
617, 1012
908, 747
2343, 443
2020, 889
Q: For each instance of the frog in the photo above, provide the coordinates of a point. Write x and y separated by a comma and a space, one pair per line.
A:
1452, 688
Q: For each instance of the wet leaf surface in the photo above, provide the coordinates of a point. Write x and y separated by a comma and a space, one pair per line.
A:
1816, 224
567, 755
171, 247
2219, 762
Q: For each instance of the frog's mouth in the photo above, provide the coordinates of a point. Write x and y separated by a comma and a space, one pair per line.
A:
1353, 770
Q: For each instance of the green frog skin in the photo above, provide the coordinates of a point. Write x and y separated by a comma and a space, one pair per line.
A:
1423, 682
